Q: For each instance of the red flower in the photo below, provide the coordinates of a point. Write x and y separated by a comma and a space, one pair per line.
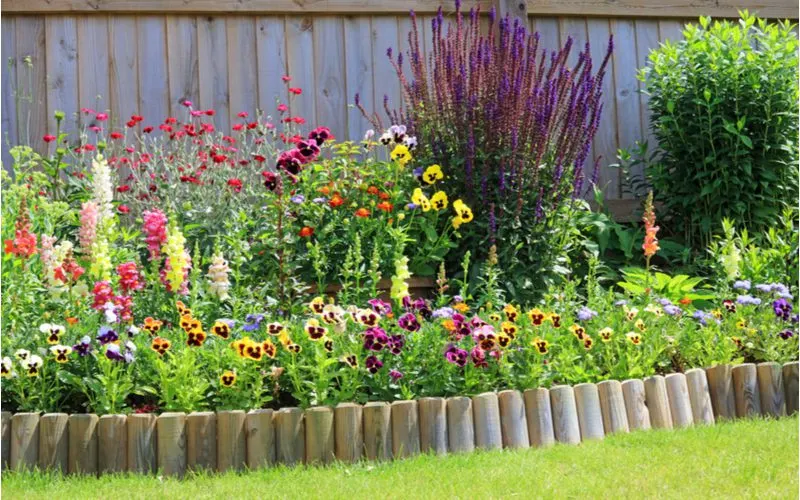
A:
685, 301
372, 190
49, 138
362, 212
129, 277
116, 135
260, 158
210, 112
299, 120
130, 124
385, 206
286, 78
306, 232
283, 108
147, 130
123, 188
123, 209
238, 127
137, 118
242, 114
336, 201
187, 103
295, 90
270, 180
101, 117
236, 184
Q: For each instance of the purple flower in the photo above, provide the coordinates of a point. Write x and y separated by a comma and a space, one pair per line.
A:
780, 289
380, 307
375, 339
782, 308
395, 375
703, 317
479, 357
112, 353
585, 314
665, 302
456, 355
408, 322
396, 343
252, 322
106, 335
742, 285
298, 198
443, 312
373, 364
320, 200
672, 310
786, 334
764, 288
458, 299
748, 300
84, 347
411, 206
621, 303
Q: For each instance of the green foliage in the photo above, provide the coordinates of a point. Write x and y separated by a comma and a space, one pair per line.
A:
724, 111
640, 281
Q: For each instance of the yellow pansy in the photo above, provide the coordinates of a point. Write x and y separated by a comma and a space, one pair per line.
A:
463, 212
418, 198
401, 154
439, 200
433, 174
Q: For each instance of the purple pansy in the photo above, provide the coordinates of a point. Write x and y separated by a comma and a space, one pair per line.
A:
373, 364
408, 322
782, 308
106, 335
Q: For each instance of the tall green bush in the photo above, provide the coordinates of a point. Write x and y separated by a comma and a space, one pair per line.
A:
724, 111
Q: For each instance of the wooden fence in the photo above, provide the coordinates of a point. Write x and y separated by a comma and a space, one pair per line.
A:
175, 443
146, 57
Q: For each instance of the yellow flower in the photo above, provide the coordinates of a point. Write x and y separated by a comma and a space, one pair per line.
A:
509, 328
555, 319
741, 324
634, 337
418, 198
317, 305
536, 316
605, 334
511, 312
640, 325
540, 345
433, 174
503, 340
228, 379
439, 200
463, 212
587, 342
494, 317
401, 155
578, 331
631, 313
61, 353
654, 309
461, 307
314, 330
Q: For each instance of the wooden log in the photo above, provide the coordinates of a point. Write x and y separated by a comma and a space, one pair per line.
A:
790, 386
377, 431
290, 436
460, 426
319, 435
720, 386
112, 443
680, 406
486, 415
231, 440
635, 406
405, 429
612, 406
745, 390
201, 441
770, 387
512, 419
171, 429
260, 438
565, 415
5, 446
24, 441
349, 434
82, 444
655, 390
539, 417
590, 417
142, 443
433, 425
54, 442
699, 396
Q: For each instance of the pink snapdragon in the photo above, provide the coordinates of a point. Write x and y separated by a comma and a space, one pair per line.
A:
155, 227
90, 216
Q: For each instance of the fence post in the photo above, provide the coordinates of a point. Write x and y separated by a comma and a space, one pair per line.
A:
460, 426
590, 417
405, 429
319, 435
635, 407
655, 390
112, 440
54, 442
486, 414
790, 375
720, 386
172, 443
680, 406
512, 420
745, 389
539, 417
5, 446
377, 431
290, 436
565, 414
201, 441
433, 425
24, 441
349, 437
612, 406
142, 443
231, 440
83, 444
699, 396
260, 438
770, 387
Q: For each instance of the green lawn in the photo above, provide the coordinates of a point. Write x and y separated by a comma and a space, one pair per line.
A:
743, 459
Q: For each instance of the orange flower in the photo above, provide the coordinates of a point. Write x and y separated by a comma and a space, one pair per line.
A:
326, 190
385, 206
362, 212
306, 232
449, 325
71, 320
650, 245
384, 196
685, 301
336, 201
372, 190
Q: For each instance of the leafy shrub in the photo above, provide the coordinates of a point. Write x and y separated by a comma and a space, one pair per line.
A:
724, 111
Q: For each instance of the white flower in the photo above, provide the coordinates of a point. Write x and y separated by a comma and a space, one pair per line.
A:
6, 368
133, 330
102, 188
410, 142
22, 354
398, 133
218, 276
110, 311
386, 138
369, 134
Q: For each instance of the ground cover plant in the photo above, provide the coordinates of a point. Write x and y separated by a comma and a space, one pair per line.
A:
724, 460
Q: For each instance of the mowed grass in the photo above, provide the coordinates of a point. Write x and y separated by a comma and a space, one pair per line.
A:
745, 459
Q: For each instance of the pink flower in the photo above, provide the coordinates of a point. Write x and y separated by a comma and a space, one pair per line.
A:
283, 108
90, 214
242, 114
155, 227
286, 78
103, 293
101, 117
49, 138
187, 103
129, 277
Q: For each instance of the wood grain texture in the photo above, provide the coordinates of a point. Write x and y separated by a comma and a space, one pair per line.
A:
433, 425
5, 445
24, 449
565, 415
319, 435
183, 65
358, 78
212, 43
8, 84
290, 436
770, 388
83, 444
460, 425
720, 386
405, 429
680, 405
348, 421
271, 62
260, 438
54, 442
486, 415
201, 441
377, 431
612, 406
539, 417
700, 397
745, 389
790, 386
142, 443
231, 440
300, 63
330, 74
513, 423
61, 42
123, 69
590, 416
638, 414
172, 443
655, 389
153, 78
93, 60
112, 444
31, 81
242, 70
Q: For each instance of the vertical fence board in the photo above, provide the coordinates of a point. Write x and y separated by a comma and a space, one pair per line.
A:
330, 74
112, 440
231, 440
271, 62
260, 438
182, 63
8, 85
172, 443
720, 385
290, 439
212, 48
32, 82
680, 406
5, 445
790, 385
655, 388
460, 426
539, 417
83, 444
201, 441
24, 453
646, 40
358, 63
405, 429
153, 77
635, 407
349, 433
670, 29
486, 413
93, 46
590, 416
300, 61
242, 68
745, 388
142, 443
433, 425
319, 435
124, 69
61, 38
604, 146
384, 79
699, 396
54, 442
612, 406
377, 431
512, 420
565, 415
770, 387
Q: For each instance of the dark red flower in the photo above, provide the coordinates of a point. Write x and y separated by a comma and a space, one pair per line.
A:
270, 180
306, 232
49, 138
123, 188
123, 209
236, 184
295, 90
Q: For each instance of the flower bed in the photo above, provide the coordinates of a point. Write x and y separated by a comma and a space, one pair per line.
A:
233, 440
